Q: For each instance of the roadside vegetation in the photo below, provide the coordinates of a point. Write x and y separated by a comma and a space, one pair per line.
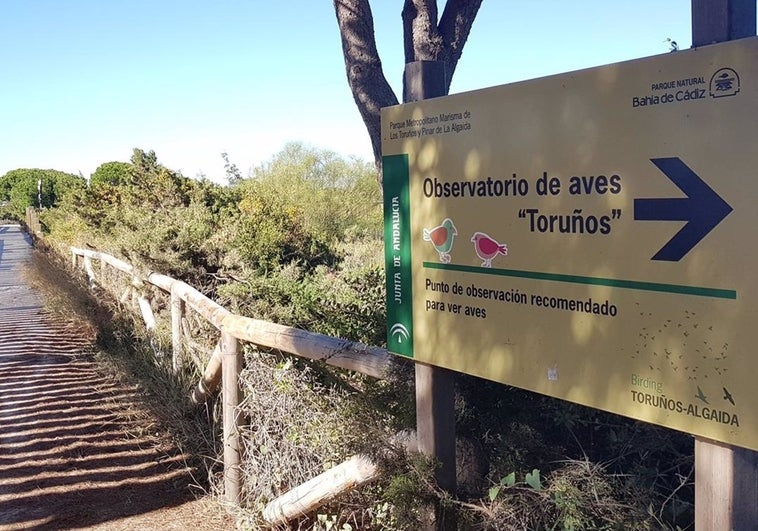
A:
299, 242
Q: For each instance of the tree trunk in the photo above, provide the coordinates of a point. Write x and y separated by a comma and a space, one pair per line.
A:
424, 40
363, 67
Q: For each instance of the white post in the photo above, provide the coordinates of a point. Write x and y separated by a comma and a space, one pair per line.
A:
178, 308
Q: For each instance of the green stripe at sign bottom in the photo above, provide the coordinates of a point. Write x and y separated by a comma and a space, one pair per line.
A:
594, 281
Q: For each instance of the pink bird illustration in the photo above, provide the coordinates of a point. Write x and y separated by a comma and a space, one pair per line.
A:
487, 248
442, 238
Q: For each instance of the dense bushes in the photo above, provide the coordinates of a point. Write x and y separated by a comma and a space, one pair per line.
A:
299, 242
300, 206
30, 187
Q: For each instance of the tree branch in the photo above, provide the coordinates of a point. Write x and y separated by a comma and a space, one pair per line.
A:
421, 39
454, 29
363, 67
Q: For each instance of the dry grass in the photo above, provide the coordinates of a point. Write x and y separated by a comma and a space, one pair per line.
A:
132, 356
65, 297
300, 422
577, 495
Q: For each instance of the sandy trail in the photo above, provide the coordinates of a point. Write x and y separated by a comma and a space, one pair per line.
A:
76, 451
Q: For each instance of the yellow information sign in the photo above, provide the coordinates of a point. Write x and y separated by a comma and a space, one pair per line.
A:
587, 236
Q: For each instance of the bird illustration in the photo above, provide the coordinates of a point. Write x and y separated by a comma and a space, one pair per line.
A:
487, 248
442, 238
700, 395
728, 395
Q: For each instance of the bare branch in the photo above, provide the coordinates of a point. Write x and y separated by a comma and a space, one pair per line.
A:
454, 28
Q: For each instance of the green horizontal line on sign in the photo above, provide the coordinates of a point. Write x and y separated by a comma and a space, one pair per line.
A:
594, 281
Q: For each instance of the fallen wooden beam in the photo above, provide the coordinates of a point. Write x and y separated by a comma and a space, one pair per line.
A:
147, 312
315, 492
210, 380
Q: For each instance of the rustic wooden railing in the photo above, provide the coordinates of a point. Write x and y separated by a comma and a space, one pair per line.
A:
32, 221
225, 365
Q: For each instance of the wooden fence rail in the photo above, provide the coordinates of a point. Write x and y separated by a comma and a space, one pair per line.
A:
225, 362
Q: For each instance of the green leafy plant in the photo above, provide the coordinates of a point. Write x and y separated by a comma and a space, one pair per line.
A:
533, 479
505, 481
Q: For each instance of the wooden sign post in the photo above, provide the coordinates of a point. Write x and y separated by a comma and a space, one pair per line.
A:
435, 389
726, 477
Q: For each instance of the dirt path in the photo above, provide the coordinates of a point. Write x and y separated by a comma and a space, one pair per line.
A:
76, 449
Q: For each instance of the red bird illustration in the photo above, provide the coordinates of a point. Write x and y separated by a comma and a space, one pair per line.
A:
442, 238
487, 248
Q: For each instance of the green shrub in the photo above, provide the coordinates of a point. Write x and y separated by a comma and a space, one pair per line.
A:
27, 187
298, 207
148, 215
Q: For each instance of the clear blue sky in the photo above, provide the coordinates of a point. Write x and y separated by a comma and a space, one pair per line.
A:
85, 81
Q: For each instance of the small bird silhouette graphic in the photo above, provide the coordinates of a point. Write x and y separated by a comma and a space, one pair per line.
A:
728, 395
487, 248
700, 395
442, 238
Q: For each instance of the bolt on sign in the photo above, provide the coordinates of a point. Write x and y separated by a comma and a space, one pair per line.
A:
588, 236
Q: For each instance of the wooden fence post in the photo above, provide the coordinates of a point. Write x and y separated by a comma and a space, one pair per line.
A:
147, 312
178, 309
726, 487
89, 270
726, 477
435, 390
231, 368
33, 224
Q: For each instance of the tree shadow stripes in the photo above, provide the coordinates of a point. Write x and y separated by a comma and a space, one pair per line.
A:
76, 450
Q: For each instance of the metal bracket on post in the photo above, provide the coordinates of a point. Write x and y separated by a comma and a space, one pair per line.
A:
435, 390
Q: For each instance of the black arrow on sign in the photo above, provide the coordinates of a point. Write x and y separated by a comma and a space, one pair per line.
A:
702, 209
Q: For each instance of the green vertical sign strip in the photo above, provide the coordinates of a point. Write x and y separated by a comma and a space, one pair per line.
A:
397, 254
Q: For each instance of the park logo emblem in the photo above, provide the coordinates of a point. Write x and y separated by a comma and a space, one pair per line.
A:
399, 333
725, 82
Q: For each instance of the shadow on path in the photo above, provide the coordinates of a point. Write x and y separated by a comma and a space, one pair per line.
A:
75, 450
